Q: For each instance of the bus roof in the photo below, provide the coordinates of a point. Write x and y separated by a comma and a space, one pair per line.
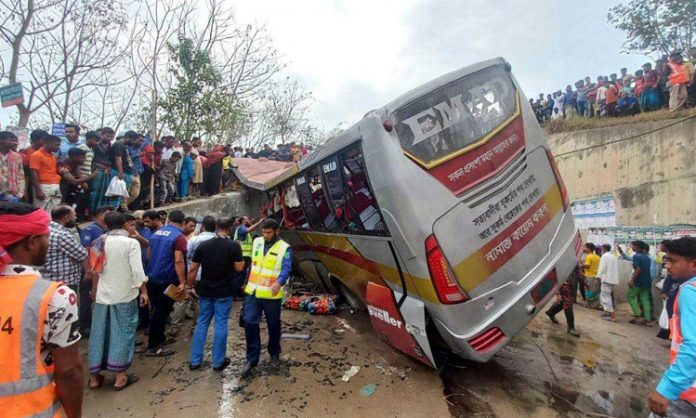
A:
421, 90
264, 174
352, 134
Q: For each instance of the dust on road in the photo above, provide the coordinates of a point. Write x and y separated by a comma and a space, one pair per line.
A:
541, 373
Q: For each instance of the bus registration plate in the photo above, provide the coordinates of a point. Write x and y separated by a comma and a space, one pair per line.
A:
544, 287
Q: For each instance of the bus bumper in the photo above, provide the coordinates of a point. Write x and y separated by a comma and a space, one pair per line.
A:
483, 341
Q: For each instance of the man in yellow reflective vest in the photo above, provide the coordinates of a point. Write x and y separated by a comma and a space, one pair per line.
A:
242, 234
40, 366
271, 264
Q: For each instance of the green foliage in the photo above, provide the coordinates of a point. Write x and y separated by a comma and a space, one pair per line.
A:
198, 103
656, 26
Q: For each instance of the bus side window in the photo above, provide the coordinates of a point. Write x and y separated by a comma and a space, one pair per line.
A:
336, 192
305, 194
321, 204
360, 212
292, 209
275, 205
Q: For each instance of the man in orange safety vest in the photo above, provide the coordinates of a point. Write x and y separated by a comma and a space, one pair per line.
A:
675, 395
40, 367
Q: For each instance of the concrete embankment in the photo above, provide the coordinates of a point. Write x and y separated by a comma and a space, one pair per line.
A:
649, 168
245, 203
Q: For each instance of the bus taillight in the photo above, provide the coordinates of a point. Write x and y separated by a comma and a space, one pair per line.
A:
559, 180
445, 284
487, 340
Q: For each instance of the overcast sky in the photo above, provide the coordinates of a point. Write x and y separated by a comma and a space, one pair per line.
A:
358, 55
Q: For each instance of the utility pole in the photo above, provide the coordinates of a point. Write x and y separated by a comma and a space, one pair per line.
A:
153, 133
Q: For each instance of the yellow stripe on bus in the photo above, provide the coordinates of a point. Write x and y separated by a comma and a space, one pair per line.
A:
352, 274
475, 269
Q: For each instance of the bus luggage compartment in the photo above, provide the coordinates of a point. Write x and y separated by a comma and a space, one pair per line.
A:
504, 238
499, 232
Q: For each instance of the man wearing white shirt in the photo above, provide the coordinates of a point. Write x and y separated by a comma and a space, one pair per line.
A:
118, 291
609, 276
207, 232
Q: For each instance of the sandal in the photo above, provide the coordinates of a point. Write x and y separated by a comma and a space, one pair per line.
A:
160, 352
130, 379
141, 350
100, 380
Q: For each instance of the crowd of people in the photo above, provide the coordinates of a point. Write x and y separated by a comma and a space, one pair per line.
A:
153, 269
81, 171
127, 271
670, 83
596, 277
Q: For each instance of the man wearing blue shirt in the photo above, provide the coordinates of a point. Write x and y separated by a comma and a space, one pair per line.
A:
640, 284
675, 395
96, 229
87, 236
271, 264
243, 235
71, 140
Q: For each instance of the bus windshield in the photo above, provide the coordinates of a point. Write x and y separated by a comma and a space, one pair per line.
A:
448, 119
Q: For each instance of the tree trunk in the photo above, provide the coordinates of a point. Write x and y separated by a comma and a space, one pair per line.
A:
23, 116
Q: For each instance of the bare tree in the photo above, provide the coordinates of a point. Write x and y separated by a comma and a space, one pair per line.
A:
57, 48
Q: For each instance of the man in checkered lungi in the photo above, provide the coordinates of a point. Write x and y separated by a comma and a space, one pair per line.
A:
565, 300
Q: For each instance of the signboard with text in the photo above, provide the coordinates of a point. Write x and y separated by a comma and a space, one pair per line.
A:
594, 213
58, 129
11, 94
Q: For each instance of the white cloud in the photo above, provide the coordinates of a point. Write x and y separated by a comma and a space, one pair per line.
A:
358, 55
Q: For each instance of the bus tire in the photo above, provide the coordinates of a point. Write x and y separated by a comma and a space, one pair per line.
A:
326, 278
350, 297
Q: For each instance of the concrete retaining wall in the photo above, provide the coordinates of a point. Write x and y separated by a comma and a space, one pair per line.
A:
225, 204
649, 167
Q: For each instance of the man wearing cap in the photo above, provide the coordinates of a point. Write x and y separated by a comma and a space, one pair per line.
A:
40, 365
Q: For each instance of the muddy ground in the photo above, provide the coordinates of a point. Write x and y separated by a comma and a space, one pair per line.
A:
543, 372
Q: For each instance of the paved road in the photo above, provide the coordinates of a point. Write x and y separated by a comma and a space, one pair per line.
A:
542, 373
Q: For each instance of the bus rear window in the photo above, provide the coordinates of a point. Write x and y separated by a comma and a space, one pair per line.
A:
452, 117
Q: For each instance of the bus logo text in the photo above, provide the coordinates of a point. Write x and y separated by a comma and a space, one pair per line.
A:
425, 124
383, 315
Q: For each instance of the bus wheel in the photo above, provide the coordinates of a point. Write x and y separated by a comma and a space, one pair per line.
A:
349, 296
442, 354
326, 278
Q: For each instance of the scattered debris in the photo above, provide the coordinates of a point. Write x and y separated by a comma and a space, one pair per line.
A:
345, 324
391, 370
303, 337
368, 390
316, 304
339, 331
350, 373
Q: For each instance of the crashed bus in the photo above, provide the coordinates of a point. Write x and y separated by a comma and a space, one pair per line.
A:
442, 212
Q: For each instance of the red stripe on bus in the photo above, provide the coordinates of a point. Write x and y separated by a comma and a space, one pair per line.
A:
514, 238
471, 168
350, 258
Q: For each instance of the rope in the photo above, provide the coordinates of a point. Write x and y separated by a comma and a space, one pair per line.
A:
625, 139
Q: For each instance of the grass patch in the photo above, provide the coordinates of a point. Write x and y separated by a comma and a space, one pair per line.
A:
579, 124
